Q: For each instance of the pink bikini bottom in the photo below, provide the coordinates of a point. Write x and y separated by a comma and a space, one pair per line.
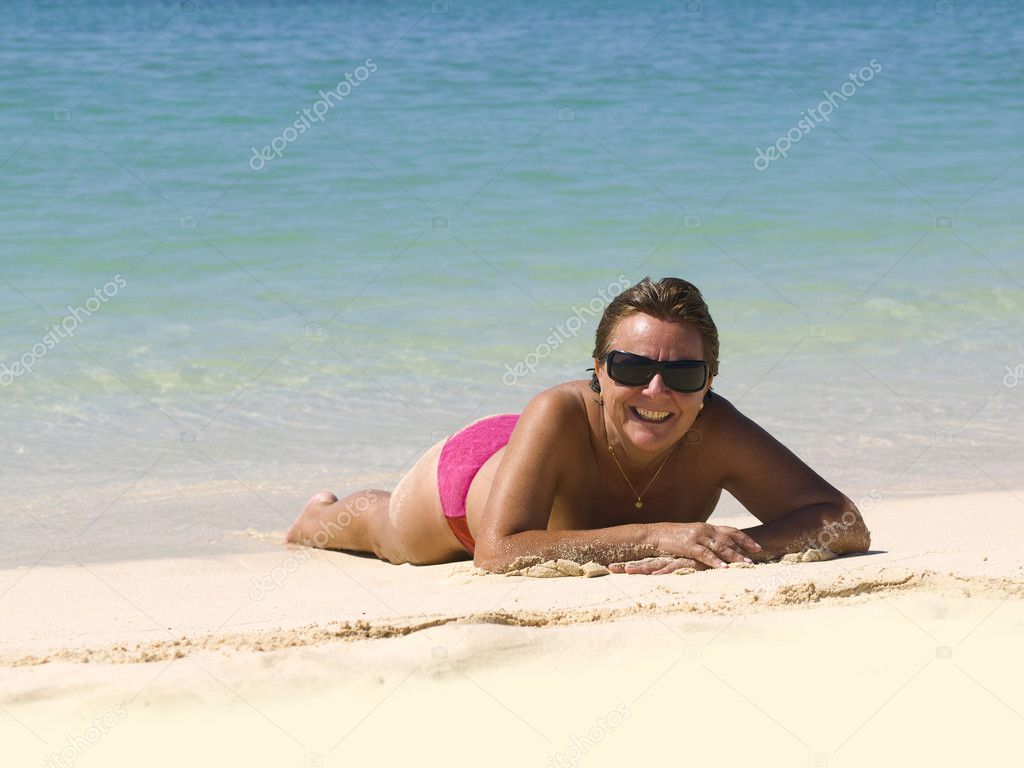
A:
461, 458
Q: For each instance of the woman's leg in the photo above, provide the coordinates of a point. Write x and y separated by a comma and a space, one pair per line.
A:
352, 523
404, 526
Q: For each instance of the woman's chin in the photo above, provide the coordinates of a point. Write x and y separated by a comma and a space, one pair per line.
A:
653, 436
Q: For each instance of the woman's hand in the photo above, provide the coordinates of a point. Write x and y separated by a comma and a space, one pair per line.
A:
713, 545
693, 545
657, 566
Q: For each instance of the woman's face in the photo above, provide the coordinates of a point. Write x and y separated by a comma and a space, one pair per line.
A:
637, 415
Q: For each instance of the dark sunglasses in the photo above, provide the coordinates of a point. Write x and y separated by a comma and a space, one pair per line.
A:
637, 371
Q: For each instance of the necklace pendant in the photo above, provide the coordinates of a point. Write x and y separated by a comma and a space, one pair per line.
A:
638, 504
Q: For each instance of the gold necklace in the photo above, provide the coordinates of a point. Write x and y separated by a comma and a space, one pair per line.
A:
639, 500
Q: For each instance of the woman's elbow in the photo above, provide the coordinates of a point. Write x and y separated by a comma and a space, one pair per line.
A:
493, 554
849, 533
487, 563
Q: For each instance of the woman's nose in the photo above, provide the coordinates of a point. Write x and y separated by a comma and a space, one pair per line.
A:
656, 386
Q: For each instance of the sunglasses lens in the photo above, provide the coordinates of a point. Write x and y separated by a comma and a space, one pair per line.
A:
686, 377
631, 370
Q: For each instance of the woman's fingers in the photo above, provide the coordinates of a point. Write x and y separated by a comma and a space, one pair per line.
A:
739, 538
660, 566
706, 555
728, 554
711, 553
653, 565
648, 565
678, 564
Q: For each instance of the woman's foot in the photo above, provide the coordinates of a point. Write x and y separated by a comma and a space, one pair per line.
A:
306, 523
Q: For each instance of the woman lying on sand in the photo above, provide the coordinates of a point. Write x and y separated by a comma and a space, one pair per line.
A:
623, 470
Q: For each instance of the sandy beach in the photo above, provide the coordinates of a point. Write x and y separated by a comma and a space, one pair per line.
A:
250, 252
305, 658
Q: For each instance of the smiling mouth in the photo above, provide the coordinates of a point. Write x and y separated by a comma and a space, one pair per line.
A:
652, 417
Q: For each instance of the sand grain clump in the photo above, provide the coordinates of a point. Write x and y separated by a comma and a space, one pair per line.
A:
808, 556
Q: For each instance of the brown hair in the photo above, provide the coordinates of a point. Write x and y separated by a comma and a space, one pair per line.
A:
670, 299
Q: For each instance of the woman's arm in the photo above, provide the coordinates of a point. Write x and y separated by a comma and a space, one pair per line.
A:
798, 509
541, 449
601, 545
836, 526
679, 543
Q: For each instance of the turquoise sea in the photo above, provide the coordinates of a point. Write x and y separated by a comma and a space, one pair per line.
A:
197, 332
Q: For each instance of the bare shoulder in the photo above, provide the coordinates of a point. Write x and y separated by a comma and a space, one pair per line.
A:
731, 432
732, 437
722, 423
541, 452
762, 473
555, 415
565, 397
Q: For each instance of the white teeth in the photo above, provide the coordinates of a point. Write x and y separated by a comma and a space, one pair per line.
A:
653, 415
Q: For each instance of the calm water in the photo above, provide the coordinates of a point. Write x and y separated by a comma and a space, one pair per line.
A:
314, 316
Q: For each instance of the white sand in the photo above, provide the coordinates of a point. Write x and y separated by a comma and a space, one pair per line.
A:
313, 658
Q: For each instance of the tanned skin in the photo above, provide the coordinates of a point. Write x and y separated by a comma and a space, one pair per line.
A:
556, 491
